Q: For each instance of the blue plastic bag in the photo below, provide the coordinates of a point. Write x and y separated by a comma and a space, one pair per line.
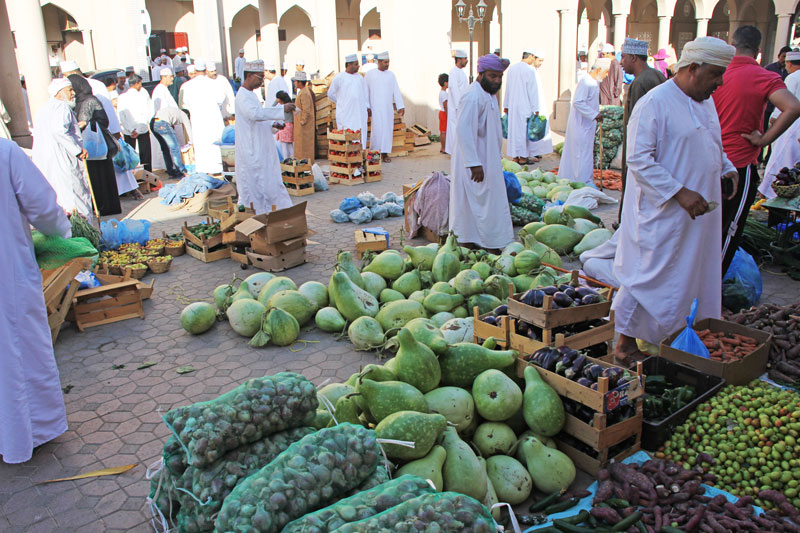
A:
504, 123
87, 279
350, 204
126, 158
229, 135
115, 232
688, 341
361, 216
339, 216
513, 187
378, 231
741, 285
94, 143
537, 127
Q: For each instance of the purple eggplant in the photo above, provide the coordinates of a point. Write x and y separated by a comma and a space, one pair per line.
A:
564, 286
569, 291
562, 300
491, 320
521, 327
575, 369
585, 291
585, 382
592, 371
551, 290
591, 299
532, 297
500, 310
613, 374
550, 360
594, 386
531, 333
565, 362
566, 350
537, 356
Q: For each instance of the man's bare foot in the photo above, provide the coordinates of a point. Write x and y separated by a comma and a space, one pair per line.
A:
387, 159
627, 353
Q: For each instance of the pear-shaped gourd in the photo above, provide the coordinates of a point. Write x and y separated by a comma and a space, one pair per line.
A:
377, 373
438, 302
462, 471
509, 478
445, 266
333, 391
483, 269
255, 282
416, 364
373, 283
275, 285
468, 282
386, 264
454, 403
222, 294
547, 441
496, 395
346, 411
426, 332
463, 361
421, 256
491, 495
344, 263
384, 398
492, 438
541, 406
420, 428
450, 245
551, 469
351, 301
242, 293
429, 467
408, 283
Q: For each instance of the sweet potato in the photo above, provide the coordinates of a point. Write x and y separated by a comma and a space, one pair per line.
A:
606, 514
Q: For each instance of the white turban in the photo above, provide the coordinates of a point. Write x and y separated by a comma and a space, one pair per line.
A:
607, 48
383, 55
708, 50
349, 58
190, 69
256, 65
166, 71
57, 84
68, 66
200, 64
603, 63
792, 56
539, 52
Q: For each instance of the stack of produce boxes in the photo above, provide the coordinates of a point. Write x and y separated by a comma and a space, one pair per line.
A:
372, 166
236, 241
603, 401
345, 151
204, 241
325, 114
297, 177
277, 239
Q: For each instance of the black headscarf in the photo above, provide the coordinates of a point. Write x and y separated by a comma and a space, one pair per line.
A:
81, 87
87, 107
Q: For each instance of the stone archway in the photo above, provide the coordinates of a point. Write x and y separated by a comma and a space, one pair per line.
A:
243, 30
370, 34
720, 22
296, 39
65, 39
684, 25
643, 22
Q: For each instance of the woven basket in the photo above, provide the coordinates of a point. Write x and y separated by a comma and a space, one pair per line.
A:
115, 270
135, 273
159, 267
175, 250
786, 191
158, 250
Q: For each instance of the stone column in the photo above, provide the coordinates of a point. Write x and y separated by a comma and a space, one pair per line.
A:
620, 29
702, 27
88, 44
733, 25
10, 89
209, 24
27, 19
269, 46
326, 37
595, 41
568, 27
782, 33
663, 31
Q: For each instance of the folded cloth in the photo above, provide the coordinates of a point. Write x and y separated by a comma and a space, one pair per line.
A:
175, 193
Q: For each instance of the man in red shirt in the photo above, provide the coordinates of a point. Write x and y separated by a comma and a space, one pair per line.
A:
740, 102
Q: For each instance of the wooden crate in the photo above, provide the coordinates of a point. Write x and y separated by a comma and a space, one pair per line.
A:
351, 180
107, 304
295, 168
107, 279
593, 465
373, 167
482, 331
369, 242
343, 156
372, 177
294, 185
579, 341
239, 254
398, 153
206, 255
202, 242
346, 136
56, 318
55, 281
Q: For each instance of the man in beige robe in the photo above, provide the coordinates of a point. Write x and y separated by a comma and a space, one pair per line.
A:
305, 118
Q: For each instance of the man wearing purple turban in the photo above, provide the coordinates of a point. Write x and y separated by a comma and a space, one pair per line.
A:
479, 212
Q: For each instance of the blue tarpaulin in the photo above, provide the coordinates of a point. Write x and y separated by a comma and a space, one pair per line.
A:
174, 193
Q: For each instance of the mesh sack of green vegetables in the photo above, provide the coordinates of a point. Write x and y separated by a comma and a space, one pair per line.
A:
378, 477
213, 484
441, 512
248, 413
312, 473
362, 505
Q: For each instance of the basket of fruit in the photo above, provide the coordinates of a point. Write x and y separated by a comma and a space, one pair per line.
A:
156, 245
136, 270
787, 182
160, 264
175, 248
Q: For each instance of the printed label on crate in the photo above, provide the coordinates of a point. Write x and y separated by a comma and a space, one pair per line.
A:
619, 396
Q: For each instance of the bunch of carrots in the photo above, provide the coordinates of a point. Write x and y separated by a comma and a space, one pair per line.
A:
608, 179
726, 347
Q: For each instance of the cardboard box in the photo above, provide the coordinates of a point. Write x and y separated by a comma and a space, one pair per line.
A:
735, 372
275, 227
277, 263
279, 248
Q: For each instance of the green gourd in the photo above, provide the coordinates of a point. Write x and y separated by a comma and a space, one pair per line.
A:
344, 263
445, 266
416, 363
483, 269
377, 373
429, 467
242, 293
426, 332
397, 314
511, 481
547, 441
408, 283
351, 300
439, 286
491, 495
420, 428
550, 469
454, 403
468, 282
438, 302
388, 397
541, 405
421, 256
450, 246
492, 438
496, 395
462, 472
346, 411
373, 283
388, 265
419, 296
333, 391
390, 295
462, 362
484, 302
275, 285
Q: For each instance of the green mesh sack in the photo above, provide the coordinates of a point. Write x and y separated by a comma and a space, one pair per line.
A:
362, 505
442, 512
52, 251
312, 473
213, 484
378, 477
531, 203
258, 407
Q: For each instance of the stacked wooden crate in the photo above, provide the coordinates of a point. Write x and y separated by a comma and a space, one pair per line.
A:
297, 178
402, 138
325, 114
347, 163
59, 287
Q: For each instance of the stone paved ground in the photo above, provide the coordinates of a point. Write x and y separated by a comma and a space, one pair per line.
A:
113, 408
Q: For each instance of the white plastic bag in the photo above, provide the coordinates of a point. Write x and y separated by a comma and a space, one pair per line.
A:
320, 183
589, 197
339, 216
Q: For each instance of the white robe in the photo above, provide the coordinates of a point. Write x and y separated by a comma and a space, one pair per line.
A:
275, 84
383, 92
456, 87
230, 98
258, 171
56, 145
522, 101
665, 259
238, 67
368, 67
545, 144
479, 212
203, 98
786, 148
349, 93
32, 408
577, 158
99, 90
135, 110
162, 98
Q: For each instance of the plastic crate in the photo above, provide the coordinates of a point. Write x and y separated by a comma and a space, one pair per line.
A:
656, 433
